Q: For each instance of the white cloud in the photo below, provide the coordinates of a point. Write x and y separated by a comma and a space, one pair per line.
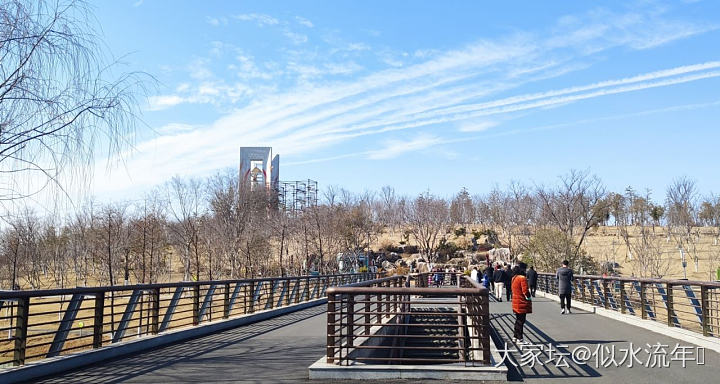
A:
461, 86
296, 38
198, 69
304, 21
175, 128
395, 148
164, 101
260, 19
476, 126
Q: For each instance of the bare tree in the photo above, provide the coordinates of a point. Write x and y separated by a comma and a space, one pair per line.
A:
462, 210
573, 205
185, 208
228, 220
522, 209
82, 238
54, 244
681, 198
34, 265
389, 209
149, 239
428, 218
58, 98
647, 254
499, 215
709, 215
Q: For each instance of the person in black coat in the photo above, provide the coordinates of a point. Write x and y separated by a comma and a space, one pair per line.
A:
565, 280
508, 282
532, 280
499, 281
489, 273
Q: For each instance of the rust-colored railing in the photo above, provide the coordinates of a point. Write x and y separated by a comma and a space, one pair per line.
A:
687, 304
39, 324
399, 320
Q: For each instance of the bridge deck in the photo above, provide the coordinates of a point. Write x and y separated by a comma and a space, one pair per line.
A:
281, 349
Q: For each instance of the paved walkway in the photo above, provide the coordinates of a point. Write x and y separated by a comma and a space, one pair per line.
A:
281, 349
546, 325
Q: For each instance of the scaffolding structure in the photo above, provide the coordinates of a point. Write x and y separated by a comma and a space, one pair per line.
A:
295, 196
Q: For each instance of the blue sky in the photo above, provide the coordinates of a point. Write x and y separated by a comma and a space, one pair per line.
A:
423, 95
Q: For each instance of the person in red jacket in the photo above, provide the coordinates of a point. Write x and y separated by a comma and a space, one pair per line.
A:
521, 301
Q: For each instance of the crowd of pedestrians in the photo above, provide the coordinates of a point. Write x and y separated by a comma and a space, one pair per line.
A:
516, 283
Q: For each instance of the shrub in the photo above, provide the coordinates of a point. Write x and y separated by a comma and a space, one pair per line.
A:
447, 249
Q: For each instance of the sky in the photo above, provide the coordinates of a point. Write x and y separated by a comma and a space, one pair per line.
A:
422, 95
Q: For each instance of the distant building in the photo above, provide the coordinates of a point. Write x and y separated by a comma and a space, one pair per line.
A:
257, 169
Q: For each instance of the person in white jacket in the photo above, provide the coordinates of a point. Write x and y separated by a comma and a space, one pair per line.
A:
474, 274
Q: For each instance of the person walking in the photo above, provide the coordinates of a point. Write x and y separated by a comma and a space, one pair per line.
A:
565, 277
532, 280
474, 275
508, 281
499, 279
487, 279
489, 272
521, 301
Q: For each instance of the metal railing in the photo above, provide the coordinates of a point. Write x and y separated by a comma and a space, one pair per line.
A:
399, 320
687, 304
41, 324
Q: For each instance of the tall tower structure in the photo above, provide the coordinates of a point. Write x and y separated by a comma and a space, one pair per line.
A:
258, 168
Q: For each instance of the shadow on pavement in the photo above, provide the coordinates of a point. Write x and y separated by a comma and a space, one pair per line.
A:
536, 361
198, 354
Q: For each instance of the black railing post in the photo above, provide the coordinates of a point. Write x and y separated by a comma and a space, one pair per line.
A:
395, 297
705, 310
226, 301
98, 319
250, 297
606, 293
387, 299
286, 284
299, 292
547, 283
669, 303
196, 304
350, 323
367, 314
643, 301
622, 296
485, 335
155, 311
21, 326
331, 329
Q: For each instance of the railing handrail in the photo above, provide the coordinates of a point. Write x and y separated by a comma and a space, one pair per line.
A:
12, 294
368, 283
152, 308
408, 291
712, 284
383, 312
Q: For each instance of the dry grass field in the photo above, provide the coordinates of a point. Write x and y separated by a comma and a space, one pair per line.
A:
604, 244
